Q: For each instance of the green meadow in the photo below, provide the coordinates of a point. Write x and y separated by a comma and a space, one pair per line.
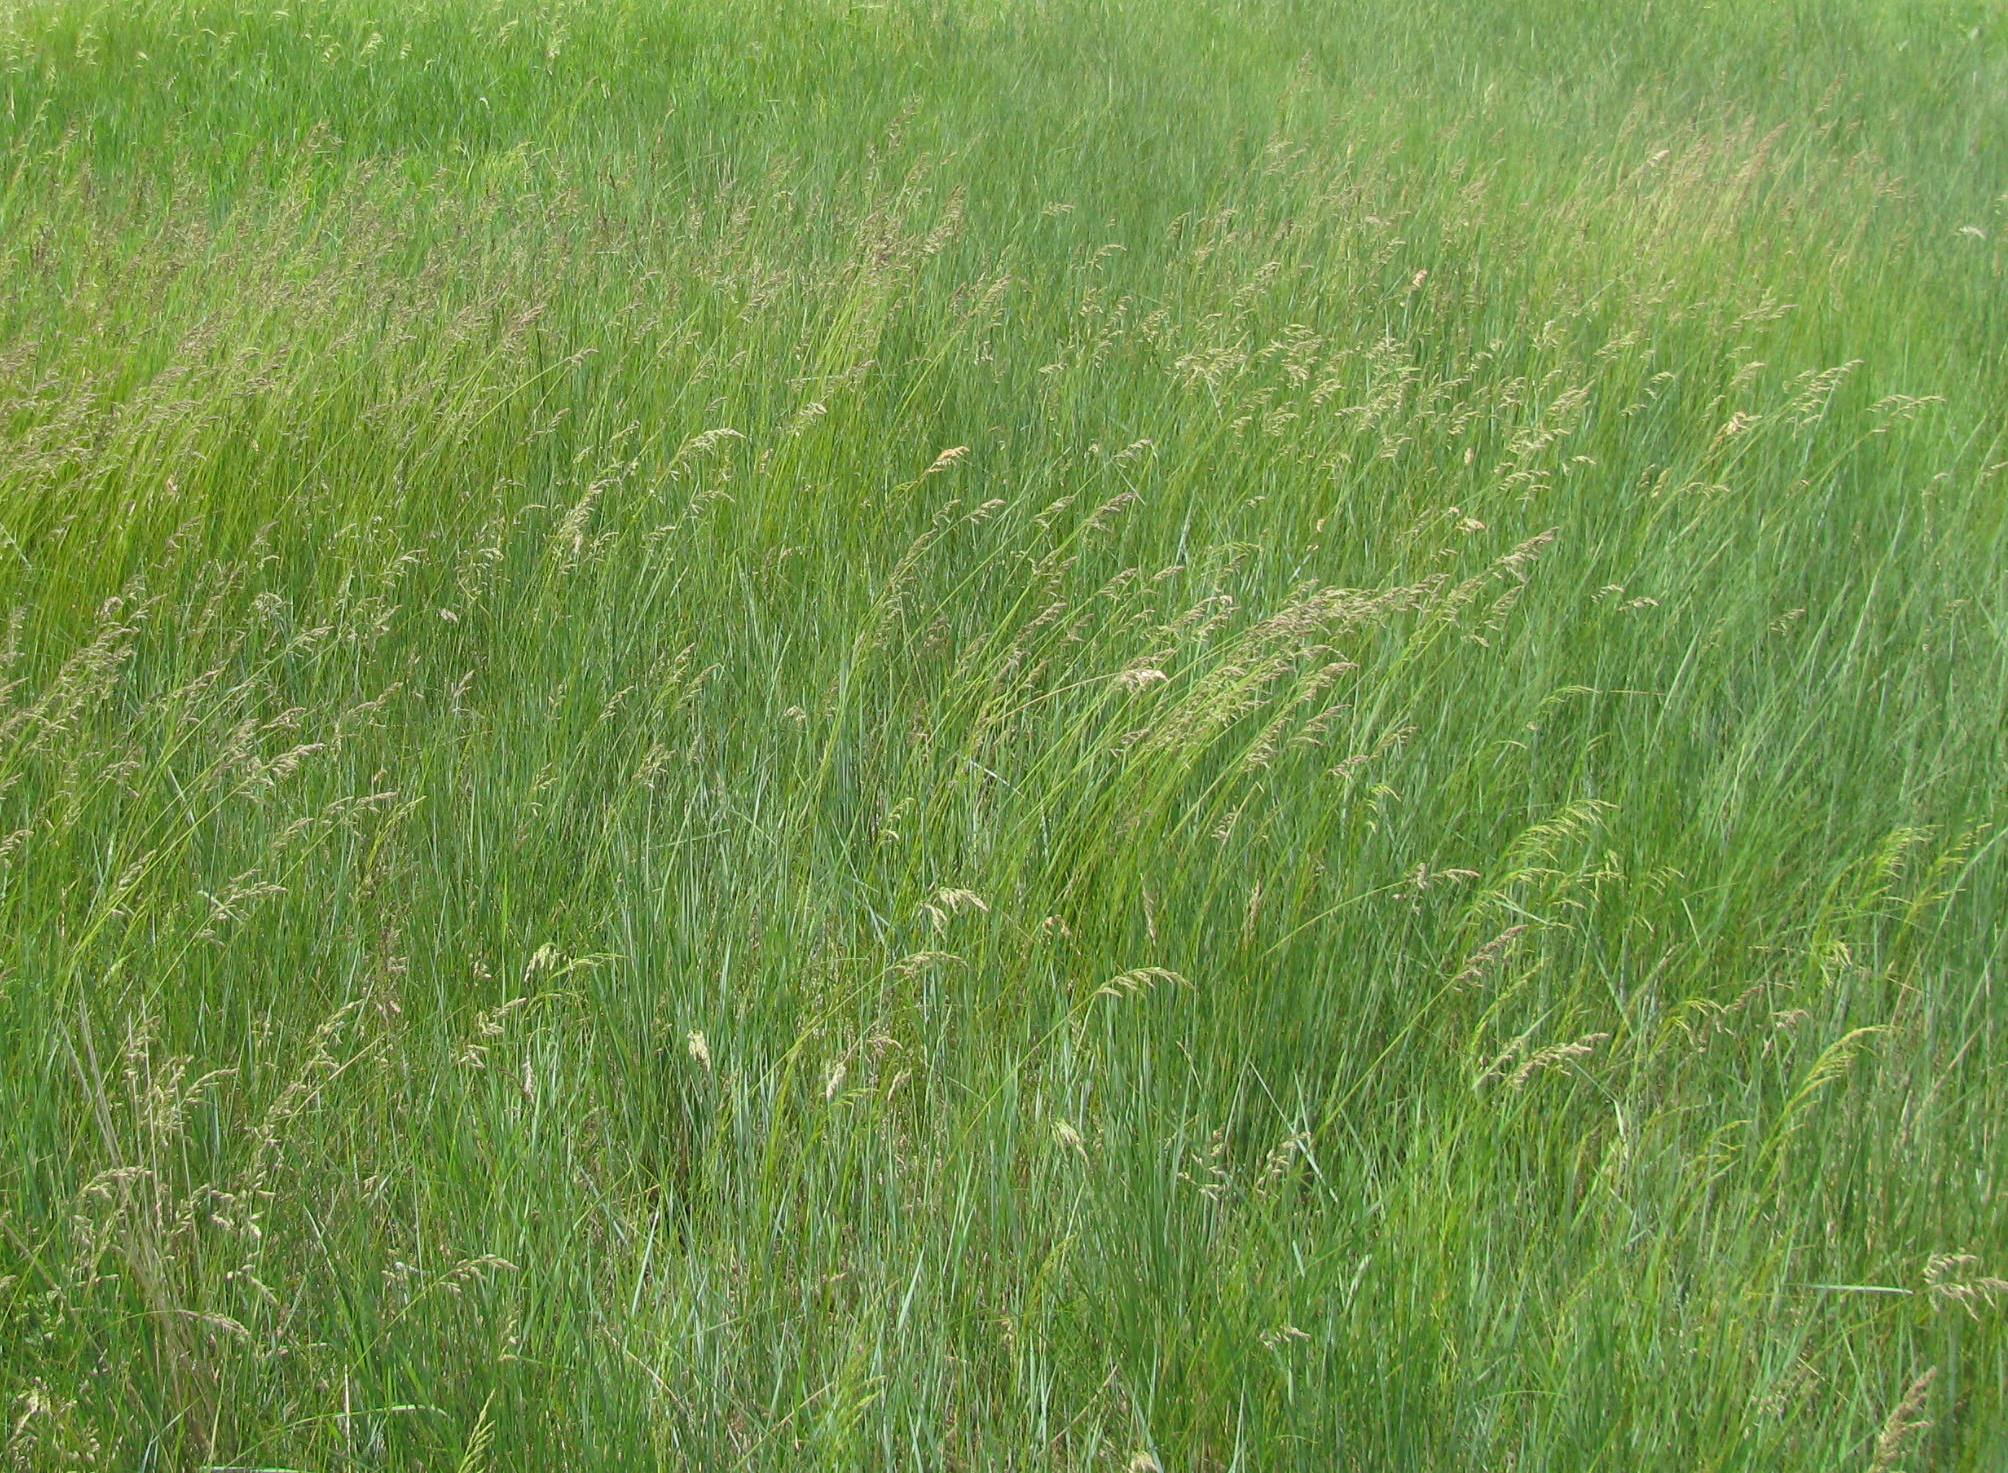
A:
1033, 734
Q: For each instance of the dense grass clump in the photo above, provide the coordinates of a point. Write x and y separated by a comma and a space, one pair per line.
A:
1045, 734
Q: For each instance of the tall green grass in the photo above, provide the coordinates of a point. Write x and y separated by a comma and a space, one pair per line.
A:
1041, 734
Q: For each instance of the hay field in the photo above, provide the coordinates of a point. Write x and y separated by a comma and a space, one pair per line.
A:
1040, 734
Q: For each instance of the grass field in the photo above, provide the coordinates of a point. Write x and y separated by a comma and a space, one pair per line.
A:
1031, 734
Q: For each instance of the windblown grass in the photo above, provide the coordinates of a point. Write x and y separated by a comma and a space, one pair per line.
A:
1039, 734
